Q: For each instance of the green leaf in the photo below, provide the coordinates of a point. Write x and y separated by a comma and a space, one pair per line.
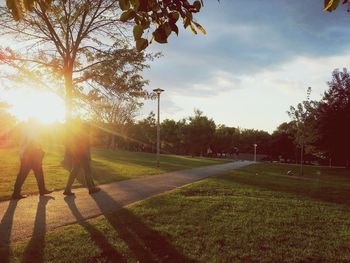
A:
145, 23
197, 5
160, 35
127, 15
137, 31
167, 29
135, 4
200, 28
193, 30
174, 28
331, 5
174, 16
141, 44
186, 21
124, 4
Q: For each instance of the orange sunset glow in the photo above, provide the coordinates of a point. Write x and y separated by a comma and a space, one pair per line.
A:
43, 106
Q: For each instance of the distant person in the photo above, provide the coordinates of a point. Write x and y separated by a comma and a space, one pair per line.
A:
236, 152
81, 157
31, 157
209, 152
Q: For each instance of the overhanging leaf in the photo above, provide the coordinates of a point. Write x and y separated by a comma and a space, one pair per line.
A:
200, 28
124, 4
160, 35
331, 5
127, 15
137, 31
141, 44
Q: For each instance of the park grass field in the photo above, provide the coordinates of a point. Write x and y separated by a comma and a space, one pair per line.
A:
107, 165
253, 214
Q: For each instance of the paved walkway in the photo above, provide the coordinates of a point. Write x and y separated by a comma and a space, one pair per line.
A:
36, 215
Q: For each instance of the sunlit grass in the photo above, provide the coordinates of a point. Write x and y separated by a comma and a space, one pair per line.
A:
107, 166
254, 214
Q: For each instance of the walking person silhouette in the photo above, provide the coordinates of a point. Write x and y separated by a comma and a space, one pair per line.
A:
79, 144
31, 157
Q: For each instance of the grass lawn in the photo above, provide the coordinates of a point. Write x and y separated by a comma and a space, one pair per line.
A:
108, 166
254, 214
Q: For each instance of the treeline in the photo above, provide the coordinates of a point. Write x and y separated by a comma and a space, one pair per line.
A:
195, 135
317, 132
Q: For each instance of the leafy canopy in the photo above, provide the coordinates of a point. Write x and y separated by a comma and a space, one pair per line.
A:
159, 17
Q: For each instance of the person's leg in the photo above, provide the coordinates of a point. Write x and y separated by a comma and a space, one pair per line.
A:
39, 175
73, 174
24, 170
88, 176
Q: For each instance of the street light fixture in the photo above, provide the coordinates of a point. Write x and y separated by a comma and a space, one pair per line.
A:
255, 145
158, 92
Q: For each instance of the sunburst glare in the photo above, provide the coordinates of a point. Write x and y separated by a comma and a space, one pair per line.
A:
44, 106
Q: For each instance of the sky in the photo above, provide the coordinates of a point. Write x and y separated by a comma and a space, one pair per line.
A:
257, 59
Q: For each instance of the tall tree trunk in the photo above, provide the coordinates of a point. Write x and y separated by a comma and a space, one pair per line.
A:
68, 79
114, 143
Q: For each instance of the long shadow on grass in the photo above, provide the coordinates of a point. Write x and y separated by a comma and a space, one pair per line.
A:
34, 251
294, 185
5, 231
146, 244
108, 251
170, 162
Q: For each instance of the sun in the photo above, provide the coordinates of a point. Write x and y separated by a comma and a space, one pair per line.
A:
43, 106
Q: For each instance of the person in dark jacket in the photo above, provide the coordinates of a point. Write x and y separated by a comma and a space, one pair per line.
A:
81, 157
31, 157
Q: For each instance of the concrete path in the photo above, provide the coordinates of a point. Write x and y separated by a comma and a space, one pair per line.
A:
36, 215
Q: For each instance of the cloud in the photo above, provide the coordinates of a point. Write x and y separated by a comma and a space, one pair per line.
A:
218, 83
245, 38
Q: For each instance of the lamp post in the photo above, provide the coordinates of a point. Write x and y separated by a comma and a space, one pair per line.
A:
255, 145
158, 92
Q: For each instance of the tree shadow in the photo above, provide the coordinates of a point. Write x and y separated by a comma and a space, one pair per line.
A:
108, 251
5, 231
34, 251
146, 244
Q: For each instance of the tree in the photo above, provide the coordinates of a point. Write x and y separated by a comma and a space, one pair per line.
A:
199, 132
112, 115
283, 141
74, 40
142, 135
81, 42
333, 118
162, 15
7, 123
171, 136
224, 139
305, 120
249, 137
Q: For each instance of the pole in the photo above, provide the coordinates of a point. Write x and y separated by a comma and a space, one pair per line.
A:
158, 132
255, 152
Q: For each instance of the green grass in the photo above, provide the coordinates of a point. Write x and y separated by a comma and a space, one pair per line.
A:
108, 166
254, 214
